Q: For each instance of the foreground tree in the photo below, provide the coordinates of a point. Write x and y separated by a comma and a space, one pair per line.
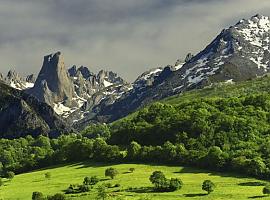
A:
111, 172
208, 186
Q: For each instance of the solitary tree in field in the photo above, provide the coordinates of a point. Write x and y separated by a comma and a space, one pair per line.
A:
266, 190
111, 172
208, 186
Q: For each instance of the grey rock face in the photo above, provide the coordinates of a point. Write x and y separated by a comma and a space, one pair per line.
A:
21, 115
16, 81
31, 78
53, 84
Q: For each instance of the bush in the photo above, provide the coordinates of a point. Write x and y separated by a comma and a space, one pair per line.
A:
93, 180
175, 184
74, 189
10, 175
57, 196
132, 169
102, 193
208, 186
111, 172
266, 190
162, 184
48, 175
117, 185
38, 196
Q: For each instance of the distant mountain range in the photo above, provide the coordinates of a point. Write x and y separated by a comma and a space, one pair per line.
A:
240, 52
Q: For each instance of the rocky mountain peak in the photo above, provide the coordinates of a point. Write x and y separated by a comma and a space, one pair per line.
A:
53, 84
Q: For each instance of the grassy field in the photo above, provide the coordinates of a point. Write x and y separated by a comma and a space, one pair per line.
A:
228, 186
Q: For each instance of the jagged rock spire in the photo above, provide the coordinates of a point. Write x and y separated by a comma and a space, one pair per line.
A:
53, 83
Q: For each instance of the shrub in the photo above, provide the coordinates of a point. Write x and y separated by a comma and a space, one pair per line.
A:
132, 169
48, 175
266, 190
93, 180
38, 196
175, 184
111, 172
162, 184
57, 196
74, 189
102, 193
10, 175
117, 185
208, 186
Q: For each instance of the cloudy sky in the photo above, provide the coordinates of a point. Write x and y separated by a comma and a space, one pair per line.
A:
126, 36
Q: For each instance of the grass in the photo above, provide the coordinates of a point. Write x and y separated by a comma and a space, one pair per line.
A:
133, 185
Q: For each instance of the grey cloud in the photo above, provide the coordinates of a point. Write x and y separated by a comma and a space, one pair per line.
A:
127, 36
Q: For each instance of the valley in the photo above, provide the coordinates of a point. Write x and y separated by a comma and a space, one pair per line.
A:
228, 186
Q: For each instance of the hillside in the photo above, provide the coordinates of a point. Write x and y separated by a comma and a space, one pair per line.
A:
224, 90
21, 114
132, 185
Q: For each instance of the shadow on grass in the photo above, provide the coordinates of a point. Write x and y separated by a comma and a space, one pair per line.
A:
140, 190
127, 173
195, 195
258, 197
252, 183
211, 173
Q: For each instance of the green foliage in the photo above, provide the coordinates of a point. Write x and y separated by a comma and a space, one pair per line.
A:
57, 196
111, 172
132, 169
38, 196
266, 190
162, 184
10, 175
102, 193
93, 180
75, 189
208, 186
175, 184
158, 179
97, 131
1, 182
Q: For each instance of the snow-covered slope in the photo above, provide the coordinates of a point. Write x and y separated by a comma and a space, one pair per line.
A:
238, 53
16, 81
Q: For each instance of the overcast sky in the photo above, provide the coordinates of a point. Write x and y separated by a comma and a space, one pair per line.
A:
126, 36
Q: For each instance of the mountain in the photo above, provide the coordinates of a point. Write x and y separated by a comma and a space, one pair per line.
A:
238, 53
21, 115
16, 81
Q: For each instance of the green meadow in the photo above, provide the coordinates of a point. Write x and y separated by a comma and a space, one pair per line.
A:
134, 185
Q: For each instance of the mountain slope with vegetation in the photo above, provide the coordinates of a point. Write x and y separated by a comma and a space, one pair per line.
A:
21, 115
